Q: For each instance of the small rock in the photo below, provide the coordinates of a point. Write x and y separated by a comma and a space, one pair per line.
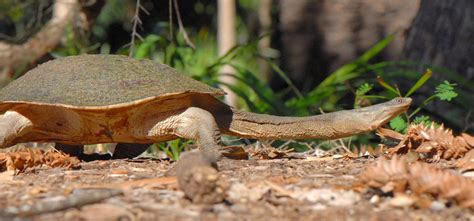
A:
260, 168
389, 187
119, 172
348, 177
374, 199
199, 179
469, 174
437, 206
203, 185
319, 206
331, 197
402, 201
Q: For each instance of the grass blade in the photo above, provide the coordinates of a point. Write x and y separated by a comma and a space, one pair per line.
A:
427, 75
285, 77
376, 49
387, 86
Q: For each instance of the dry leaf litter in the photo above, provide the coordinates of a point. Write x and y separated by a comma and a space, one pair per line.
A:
431, 141
31, 157
421, 180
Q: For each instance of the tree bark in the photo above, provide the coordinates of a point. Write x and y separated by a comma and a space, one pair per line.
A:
443, 34
226, 40
265, 20
319, 36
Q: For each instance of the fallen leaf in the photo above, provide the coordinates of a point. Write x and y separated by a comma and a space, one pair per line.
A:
467, 162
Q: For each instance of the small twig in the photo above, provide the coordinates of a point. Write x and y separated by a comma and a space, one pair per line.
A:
349, 143
181, 27
136, 21
285, 144
343, 145
309, 146
132, 183
467, 125
144, 9
170, 10
81, 198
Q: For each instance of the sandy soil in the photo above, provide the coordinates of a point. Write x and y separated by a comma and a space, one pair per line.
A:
280, 189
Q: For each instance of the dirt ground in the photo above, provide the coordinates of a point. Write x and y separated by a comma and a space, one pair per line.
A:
312, 188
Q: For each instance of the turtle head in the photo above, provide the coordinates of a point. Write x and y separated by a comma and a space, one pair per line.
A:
380, 114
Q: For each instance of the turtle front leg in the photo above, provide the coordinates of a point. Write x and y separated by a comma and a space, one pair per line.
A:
12, 126
196, 170
194, 124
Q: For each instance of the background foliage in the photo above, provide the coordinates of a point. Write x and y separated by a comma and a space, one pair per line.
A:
364, 81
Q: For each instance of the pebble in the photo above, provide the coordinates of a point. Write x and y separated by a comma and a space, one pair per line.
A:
374, 199
402, 201
437, 206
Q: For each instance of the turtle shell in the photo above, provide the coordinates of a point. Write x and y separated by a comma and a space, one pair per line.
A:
99, 80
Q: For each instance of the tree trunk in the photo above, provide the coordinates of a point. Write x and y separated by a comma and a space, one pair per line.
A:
226, 40
300, 44
265, 20
319, 36
442, 34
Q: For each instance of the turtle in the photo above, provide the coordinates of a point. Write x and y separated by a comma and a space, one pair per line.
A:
90, 99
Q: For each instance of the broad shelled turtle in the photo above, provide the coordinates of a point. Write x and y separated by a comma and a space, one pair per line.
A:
90, 99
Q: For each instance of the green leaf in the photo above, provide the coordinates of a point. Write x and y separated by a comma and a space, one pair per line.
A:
361, 92
445, 91
285, 77
364, 89
420, 82
422, 119
176, 147
398, 124
241, 93
387, 86
376, 49
146, 47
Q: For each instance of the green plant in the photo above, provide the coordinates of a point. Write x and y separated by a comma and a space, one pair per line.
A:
332, 88
444, 91
173, 148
